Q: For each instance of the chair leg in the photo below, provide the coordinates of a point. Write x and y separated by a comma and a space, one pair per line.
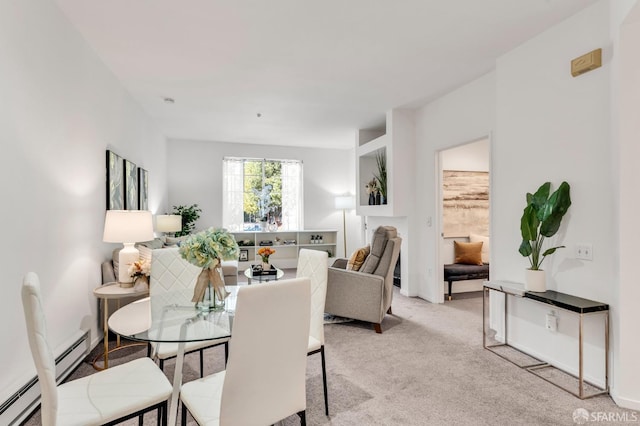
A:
377, 328
303, 418
165, 413
201, 363
183, 417
389, 311
226, 353
324, 381
162, 364
450, 282
148, 350
141, 420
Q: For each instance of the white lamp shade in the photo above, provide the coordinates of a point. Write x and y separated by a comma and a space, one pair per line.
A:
168, 222
128, 226
345, 202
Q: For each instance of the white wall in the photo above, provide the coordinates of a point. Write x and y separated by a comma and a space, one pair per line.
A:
471, 157
61, 109
461, 116
626, 373
554, 127
195, 177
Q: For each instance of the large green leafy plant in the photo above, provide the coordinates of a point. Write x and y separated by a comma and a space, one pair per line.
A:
189, 216
541, 219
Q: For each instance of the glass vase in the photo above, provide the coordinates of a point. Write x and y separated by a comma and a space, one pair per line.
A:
211, 301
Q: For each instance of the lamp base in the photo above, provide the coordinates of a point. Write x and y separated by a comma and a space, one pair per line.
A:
128, 255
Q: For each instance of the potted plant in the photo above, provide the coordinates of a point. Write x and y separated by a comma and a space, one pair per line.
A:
541, 219
381, 176
189, 216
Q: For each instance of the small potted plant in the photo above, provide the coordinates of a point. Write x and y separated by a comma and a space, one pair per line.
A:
381, 176
541, 219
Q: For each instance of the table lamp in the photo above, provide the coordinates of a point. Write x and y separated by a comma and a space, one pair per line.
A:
127, 227
344, 203
171, 223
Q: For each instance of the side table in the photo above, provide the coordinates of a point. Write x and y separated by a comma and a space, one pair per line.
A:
106, 292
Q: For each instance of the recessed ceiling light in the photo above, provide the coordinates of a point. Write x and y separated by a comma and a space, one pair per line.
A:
169, 100
259, 115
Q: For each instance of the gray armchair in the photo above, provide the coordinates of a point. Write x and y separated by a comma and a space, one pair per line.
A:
366, 294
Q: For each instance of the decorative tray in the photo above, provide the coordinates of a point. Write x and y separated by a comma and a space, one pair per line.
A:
256, 270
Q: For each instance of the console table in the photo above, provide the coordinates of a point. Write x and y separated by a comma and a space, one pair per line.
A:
563, 301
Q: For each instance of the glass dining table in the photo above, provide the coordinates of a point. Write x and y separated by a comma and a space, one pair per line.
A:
172, 317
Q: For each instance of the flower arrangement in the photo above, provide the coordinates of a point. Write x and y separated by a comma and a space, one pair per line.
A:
207, 249
204, 248
265, 252
139, 268
371, 186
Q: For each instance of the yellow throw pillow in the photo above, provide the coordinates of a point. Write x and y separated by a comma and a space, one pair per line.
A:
468, 253
357, 259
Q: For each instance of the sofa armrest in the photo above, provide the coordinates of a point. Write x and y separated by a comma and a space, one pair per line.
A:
356, 295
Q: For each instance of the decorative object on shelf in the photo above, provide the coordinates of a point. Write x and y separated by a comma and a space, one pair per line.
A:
541, 218
139, 271
245, 243
266, 243
206, 250
264, 253
381, 177
371, 190
115, 187
244, 255
127, 227
189, 216
273, 226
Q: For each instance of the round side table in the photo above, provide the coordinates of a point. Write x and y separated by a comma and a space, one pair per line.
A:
106, 292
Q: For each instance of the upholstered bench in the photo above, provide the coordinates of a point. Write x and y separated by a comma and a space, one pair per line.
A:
461, 272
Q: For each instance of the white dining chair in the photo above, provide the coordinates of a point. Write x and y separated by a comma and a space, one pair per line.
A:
266, 372
170, 271
313, 264
106, 397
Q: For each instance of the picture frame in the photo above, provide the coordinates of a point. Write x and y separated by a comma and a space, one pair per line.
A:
244, 255
115, 186
143, 189
130, 185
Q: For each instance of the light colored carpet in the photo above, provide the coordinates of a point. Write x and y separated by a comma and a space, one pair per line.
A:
427, 368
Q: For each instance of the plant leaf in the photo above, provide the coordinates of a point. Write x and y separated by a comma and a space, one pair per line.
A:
529, 224
555, 209
551, 250
525, 248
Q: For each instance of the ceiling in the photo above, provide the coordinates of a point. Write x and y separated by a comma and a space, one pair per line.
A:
296, 72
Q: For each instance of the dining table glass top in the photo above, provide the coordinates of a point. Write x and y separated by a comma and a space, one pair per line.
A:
172, 317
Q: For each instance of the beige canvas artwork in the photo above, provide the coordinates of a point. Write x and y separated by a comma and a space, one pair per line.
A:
465, 203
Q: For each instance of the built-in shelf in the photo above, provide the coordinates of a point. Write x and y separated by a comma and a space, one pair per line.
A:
287, 245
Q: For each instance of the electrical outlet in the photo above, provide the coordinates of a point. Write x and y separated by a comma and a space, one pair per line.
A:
551, 323
584, 251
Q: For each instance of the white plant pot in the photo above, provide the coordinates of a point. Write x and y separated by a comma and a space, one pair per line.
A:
535, 281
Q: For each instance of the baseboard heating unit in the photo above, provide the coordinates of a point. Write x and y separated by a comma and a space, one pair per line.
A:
21, 404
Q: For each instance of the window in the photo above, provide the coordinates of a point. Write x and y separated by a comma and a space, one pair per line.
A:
257, 191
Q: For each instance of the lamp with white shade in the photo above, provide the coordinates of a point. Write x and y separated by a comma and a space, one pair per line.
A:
127, 227
344, 203
168, 223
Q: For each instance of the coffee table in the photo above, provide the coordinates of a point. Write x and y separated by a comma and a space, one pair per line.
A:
263, 278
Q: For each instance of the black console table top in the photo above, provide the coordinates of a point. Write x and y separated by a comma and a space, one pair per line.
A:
566, 301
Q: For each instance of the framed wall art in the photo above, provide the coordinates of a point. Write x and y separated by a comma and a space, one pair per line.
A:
130, 186
465, 203
143, 189
115, 187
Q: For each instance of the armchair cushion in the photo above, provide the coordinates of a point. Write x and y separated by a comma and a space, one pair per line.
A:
373, 264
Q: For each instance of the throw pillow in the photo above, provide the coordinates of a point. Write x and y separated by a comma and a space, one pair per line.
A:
468, 253
357, 259
475, 238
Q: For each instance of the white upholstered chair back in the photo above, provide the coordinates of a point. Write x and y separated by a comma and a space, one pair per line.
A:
313, 264
266, 372
40, 350
170, 271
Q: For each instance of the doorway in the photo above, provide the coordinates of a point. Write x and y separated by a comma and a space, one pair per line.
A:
464, 188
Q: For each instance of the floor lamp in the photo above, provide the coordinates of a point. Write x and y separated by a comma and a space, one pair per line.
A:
344, 203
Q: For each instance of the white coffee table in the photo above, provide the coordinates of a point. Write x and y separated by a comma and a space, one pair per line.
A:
263, 278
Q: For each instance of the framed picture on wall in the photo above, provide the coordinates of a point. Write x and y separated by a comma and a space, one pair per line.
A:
115, 187
130, 186
244, 255
143, 189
